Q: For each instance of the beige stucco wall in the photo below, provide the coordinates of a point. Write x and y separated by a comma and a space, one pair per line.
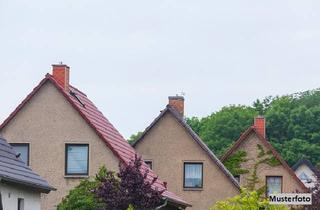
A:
11, 193
289, 184
48, 122
168, 145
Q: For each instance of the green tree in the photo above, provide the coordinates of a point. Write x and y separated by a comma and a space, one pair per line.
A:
220, 129
134, 137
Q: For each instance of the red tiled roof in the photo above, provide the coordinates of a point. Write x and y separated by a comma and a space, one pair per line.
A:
267, 144
104, 129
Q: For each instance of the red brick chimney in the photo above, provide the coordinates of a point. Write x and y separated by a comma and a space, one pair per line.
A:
260, 125
177, 102
60, 73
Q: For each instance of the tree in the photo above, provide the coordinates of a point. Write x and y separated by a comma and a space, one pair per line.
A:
220, 129
134, 137
128, 187
246, 200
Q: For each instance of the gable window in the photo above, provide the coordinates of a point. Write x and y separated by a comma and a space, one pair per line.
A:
22, 150
20, 204
149, 163
274, 184
304, 177
237, 177
77, 159
193, 175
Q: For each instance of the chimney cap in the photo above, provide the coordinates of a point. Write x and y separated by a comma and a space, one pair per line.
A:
60, 65
176, 98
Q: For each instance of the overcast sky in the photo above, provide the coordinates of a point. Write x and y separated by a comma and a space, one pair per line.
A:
128, 56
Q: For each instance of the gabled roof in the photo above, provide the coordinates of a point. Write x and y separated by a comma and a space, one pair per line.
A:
267, 144
14, 170
194, 136
304, 162
103, 128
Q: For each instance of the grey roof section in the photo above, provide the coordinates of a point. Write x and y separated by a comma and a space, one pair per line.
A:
306, 162
14, 170
183, 122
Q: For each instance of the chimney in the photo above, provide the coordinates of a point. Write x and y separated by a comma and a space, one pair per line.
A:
260, 125
177, 102
60, 73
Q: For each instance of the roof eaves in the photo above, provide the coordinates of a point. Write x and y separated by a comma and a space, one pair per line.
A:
41, 188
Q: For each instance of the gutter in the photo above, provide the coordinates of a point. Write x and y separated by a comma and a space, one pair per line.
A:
163, 205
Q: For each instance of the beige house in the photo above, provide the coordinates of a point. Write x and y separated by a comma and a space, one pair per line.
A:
65, 138
261, 168
175, 152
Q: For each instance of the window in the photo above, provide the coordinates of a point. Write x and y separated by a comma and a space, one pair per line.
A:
77, 159
149, 163
274, 184
193, 175
20, 204
304, 177
237, 177
22, 150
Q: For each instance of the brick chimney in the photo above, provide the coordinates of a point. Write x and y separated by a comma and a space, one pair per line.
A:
60, 73
177, 102
260, 125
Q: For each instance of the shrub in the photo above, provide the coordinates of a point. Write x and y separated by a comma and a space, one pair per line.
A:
246, 200
82, 196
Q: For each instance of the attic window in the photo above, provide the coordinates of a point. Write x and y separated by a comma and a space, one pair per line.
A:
78, 99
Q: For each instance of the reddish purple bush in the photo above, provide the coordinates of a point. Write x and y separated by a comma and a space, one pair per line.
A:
128, 187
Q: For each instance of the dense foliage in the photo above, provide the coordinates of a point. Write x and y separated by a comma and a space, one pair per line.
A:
128, 188
82, 196
246, 200
293, 125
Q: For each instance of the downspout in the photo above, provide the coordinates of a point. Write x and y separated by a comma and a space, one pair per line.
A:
163, 205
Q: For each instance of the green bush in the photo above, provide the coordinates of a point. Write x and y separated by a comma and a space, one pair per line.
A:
246, 201
82, 196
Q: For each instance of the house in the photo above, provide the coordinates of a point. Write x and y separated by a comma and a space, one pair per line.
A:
20, 187
258, 165
178, 155
306, 172
65, 138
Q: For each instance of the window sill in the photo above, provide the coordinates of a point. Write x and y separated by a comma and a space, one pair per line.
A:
192, 189
76, 176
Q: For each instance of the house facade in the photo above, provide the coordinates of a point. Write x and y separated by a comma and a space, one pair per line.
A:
306, 172
20, 187
177, 154
259, 165
65, 138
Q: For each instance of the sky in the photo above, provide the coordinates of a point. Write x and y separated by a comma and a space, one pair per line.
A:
129, 56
